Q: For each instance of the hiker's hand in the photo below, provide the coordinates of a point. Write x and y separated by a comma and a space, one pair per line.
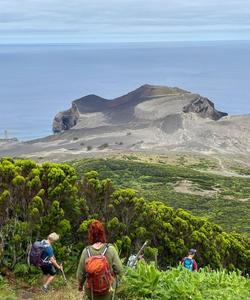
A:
80, 287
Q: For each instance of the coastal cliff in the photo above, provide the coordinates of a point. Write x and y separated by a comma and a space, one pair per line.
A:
154, 119
128, 104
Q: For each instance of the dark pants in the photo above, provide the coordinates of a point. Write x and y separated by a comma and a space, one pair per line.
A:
49, 269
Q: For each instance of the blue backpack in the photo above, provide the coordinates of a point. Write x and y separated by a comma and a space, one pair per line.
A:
188, 263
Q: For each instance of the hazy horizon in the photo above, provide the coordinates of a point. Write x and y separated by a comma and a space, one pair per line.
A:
124, 42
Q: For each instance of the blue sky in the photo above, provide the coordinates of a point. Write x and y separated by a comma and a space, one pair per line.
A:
41, 21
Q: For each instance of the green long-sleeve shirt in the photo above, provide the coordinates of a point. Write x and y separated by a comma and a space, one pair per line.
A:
113, 259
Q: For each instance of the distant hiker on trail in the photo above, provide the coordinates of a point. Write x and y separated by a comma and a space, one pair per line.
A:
134, 259
99, 265
189, 262
42, 255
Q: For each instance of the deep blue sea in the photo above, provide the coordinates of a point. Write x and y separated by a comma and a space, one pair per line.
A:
37, 81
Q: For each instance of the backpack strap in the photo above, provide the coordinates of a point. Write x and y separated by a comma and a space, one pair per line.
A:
45, 244
103, 253
88, 252
105, 249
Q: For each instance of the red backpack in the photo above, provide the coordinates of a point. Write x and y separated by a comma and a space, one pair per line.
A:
99, 278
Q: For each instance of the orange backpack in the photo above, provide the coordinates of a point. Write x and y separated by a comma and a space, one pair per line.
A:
99, 278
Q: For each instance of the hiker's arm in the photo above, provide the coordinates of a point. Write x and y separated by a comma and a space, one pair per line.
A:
195, 266
80, 274
182, 262
117, 264
54, 263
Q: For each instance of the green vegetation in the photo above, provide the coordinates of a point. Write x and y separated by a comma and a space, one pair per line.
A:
6, 293
103, 146
242, 171
37, 199
146, 282
223, 200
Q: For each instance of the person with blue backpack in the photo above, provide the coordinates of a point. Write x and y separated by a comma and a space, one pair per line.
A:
189, 262
42, 256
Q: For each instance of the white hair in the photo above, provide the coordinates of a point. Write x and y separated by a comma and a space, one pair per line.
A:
53, 237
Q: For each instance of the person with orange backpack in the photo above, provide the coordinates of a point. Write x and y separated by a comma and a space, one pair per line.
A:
99, 265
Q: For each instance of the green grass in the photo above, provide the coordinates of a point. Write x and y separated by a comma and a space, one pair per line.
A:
6, 291
241, 170
228, 204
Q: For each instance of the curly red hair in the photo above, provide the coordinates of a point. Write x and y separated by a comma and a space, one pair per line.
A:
96, 232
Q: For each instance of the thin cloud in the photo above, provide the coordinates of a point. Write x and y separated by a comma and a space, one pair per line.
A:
128, 19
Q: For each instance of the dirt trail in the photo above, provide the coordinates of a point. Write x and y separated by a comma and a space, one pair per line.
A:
223, 171
62, 293
55, 295
28, 294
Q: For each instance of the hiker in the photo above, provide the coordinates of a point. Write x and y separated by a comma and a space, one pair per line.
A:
189, 262
50, 265
133, 260
102, 257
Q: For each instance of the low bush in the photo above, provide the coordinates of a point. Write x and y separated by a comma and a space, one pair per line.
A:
146, 282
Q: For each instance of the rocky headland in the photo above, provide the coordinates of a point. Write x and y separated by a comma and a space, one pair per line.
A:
149, 119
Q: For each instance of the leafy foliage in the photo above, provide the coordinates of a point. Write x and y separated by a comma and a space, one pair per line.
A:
37, 199
146, 282
226, 201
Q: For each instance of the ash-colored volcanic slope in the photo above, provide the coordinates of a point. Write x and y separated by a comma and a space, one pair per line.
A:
151, 118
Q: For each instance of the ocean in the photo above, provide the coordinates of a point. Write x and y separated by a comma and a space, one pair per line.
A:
37, 81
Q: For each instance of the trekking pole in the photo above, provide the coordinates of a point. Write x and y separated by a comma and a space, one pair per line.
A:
63, 274
139, 253
137, 256
114, 292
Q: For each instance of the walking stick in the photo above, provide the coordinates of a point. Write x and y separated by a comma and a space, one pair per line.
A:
137, 256
63, 274
139, 253
115, 288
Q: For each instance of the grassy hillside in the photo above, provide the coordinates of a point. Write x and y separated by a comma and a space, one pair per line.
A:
185, 182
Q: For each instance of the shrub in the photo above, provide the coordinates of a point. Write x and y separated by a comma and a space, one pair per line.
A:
103, 146
38, 199
146, 282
